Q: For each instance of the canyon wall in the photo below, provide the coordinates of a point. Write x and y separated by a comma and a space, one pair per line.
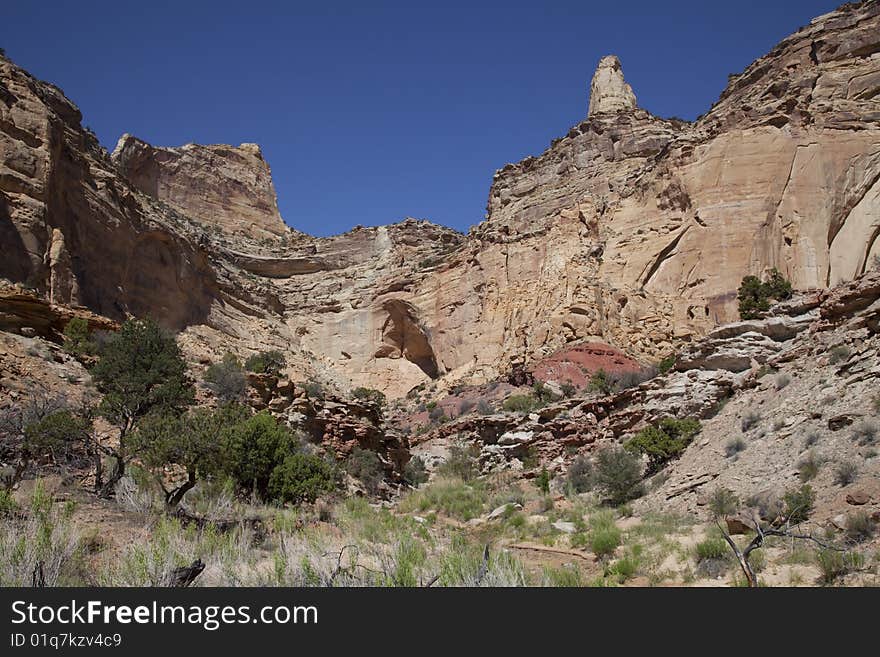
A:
630, 230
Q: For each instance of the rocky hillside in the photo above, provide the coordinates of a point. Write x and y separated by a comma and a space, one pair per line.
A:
631, 230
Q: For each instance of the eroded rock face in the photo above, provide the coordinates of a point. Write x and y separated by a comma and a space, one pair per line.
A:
73, 229
609, 92
631, 230
227, 187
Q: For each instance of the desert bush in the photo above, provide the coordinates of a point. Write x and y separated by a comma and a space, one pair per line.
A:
542, 393
604, 535
265, 362
845, 472
713, 547
226, 379
484, 408
809, 465
734, 446
601, 382
723, 502
313, 389
859, 526
436, 413
520, 404
811, 438
619, 474
461, 462
370, 395
365, 465
580, 475
466, 406
414, 471
749, 419
666, 364
565, 576
626, 566
865, 432
452, 496
542, 481
754, 295
568, 389
252, 446
78, 339
665, 441
42, 546
464, 565
839, 354
834, 564
799, 503
301, 478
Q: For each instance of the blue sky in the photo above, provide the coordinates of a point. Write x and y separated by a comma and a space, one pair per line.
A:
369, 112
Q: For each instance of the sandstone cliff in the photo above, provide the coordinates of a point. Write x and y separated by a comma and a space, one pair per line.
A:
631, 230
227, 187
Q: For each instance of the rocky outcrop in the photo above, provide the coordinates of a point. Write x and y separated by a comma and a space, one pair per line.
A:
74, 230
609, 92
225, 187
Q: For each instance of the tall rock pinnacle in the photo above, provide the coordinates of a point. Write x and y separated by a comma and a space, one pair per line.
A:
609, 92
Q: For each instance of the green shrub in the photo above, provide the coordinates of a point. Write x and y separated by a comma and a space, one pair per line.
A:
301, 478
839, 354
414, 471
833, 564
542, 393
665, 441
7, 502
601, 382
542, 481
809, 466
265, 362
845, 473
666, 364
723, 502
859, 526
370, 395
78, 339
754, 296
626, 566
712, 547
811, 437
604, 535
313, 389
55, 432
749, 419
580, 475
366, 466
451, 496
520, 404
226, 379
253, 446
619, 474
568, 389
734, 446
461, 463
799, 503
865, 432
